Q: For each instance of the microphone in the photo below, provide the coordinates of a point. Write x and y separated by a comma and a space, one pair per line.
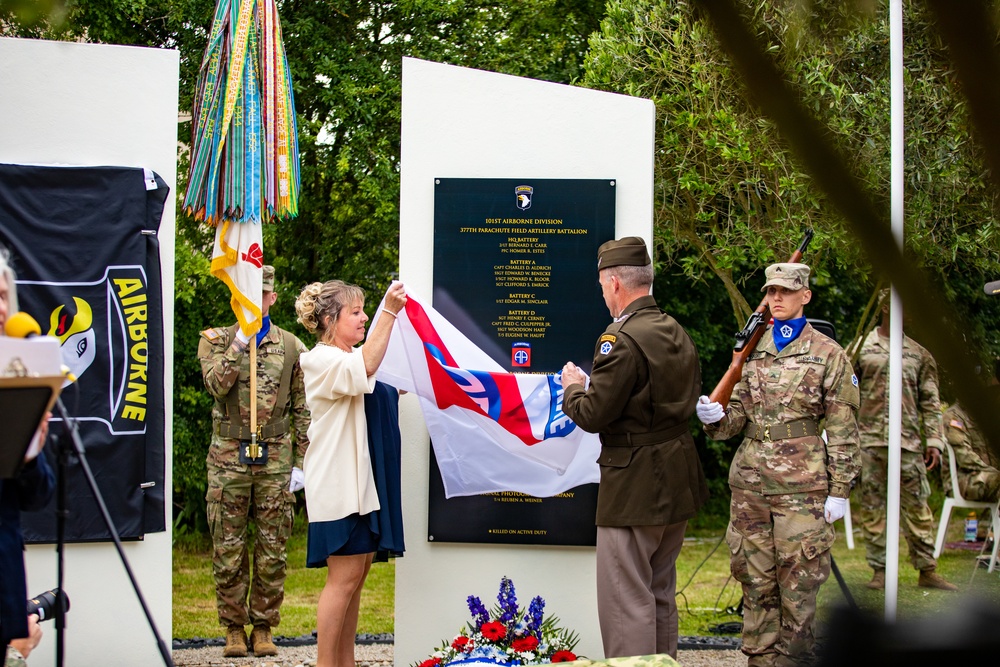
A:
992, 287
22, 325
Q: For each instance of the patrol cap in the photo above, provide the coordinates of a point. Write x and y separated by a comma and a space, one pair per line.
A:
268, 280
629, 251
787, 275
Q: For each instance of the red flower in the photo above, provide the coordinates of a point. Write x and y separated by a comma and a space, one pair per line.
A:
461, 643
494, 630
523, 644
431, 662
560, 656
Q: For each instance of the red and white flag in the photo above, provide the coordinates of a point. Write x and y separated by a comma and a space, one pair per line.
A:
491, 430
238, 261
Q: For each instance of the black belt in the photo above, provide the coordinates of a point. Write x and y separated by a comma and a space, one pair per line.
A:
799, 428
640, 439
267, 431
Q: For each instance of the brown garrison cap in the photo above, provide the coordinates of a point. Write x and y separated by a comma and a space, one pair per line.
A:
789, 276
268, 283
629, 251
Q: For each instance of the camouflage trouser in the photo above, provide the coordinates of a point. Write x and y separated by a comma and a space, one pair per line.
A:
916, 521
233, 498
779, 550
984, 485
14, 659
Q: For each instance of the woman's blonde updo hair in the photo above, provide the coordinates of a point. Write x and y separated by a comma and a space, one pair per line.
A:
319, 300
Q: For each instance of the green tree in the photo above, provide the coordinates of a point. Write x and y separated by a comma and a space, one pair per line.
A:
729, 197
346, 61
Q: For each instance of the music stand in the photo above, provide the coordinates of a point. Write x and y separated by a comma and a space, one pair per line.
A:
24, 400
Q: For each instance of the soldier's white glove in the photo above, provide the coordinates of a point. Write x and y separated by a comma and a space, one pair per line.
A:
708, 411
242, 337
298, 480
835, 508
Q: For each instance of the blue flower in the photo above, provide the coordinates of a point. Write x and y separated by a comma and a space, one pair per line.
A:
508, 601
535, 610
478, 611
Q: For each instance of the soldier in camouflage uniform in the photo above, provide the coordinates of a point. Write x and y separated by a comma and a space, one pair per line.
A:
261, 488
788, 485
920, 404
976, 463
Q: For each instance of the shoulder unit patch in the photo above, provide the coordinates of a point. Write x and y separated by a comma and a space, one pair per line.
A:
213, 335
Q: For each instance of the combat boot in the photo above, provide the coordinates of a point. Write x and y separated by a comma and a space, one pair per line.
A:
931, 579
236, 642
878, 581
260, 639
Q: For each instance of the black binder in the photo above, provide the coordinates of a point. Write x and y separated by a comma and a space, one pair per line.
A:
23, 404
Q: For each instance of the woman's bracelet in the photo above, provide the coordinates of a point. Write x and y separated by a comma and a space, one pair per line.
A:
386, 310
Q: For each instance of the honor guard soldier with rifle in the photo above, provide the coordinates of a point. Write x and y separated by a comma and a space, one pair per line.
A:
788, 484
253, 475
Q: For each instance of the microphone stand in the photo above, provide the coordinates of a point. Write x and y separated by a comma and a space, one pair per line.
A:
72, 430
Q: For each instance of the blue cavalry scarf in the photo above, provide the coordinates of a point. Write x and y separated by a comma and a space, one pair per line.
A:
265, 326
785, 332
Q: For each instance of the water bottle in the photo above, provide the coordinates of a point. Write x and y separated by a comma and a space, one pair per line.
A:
971, 527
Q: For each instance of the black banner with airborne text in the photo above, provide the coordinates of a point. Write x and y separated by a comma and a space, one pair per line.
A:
83, 244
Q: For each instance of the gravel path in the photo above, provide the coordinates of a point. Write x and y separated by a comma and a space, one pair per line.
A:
380, 655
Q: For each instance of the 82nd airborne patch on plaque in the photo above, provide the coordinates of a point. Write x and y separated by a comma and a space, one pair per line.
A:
520, 355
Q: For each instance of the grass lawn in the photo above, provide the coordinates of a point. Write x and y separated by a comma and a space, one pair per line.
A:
705, 590
194, 613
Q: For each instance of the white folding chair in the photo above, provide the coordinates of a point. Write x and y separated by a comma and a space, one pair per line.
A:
956, 500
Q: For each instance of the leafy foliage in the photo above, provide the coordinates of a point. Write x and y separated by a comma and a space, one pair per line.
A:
729, 198
346, 62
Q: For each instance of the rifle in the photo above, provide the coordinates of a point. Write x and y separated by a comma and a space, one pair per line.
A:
749, 336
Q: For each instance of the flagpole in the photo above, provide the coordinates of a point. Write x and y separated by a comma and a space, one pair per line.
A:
896, 314
254, 453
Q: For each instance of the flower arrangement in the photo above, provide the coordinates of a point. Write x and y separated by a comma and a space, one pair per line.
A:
509, 635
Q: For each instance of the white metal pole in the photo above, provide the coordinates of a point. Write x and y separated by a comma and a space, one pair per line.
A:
895, 314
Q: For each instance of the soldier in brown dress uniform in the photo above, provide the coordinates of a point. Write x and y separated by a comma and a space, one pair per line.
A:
643, 390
